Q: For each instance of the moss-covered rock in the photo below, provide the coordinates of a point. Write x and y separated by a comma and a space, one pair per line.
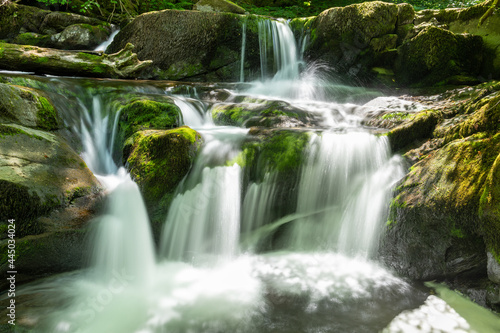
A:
27, 107
416, 127
142, 112
443, 219
159, 160
434, 228
39, 172
192, 44
218, 6
435, 54
28, 25
341, 36
262, 113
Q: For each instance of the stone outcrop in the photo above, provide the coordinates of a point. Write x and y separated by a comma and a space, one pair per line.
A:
443, 219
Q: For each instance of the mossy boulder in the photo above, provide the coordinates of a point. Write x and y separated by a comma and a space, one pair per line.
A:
436, 54
51, 194
218, 6
141, 112
466, 20
27, 107
434, 226
159, 160
341, 36
28, 25
262, 113
192, 45
80, 37
443, 218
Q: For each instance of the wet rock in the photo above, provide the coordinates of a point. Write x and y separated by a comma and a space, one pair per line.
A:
263, 113
159, 160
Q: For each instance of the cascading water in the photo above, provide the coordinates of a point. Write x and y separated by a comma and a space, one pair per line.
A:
207, 276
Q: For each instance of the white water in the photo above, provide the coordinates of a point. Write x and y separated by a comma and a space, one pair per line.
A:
202, 280
104, 45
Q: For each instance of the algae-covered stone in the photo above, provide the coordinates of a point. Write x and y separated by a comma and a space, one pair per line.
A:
418, 127
340, 36
27, 107
435, 54
262, 113
141, 112
218, 6
80, 37
38, 173
159, 160
434, 228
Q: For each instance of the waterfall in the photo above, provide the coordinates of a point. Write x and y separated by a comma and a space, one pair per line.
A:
344, 191
243, 46
210, 273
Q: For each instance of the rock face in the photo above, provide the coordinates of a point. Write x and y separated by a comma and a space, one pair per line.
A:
33, 26
41, 176
443, 218
218, 6
191, 45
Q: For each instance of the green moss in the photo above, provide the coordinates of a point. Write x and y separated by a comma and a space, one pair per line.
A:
396, 116
47, 115
419, 127
142, 114
159, 160
88, 56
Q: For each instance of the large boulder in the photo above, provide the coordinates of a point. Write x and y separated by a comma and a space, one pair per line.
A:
466, 21
436, 54
191, 44
45, 187
355, 38
443, 218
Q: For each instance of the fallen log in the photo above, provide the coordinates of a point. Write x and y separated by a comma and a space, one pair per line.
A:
123, 64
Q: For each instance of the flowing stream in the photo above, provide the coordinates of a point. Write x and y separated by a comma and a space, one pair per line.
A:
209, 273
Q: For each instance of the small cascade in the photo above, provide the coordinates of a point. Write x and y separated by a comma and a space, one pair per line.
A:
243, 46
343, 193
122, 241
193, 112
97, 144
279, 36
104, 45
206, 219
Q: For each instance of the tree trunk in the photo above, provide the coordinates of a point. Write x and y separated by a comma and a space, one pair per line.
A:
123, 64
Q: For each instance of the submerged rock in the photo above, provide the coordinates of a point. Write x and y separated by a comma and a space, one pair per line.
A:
263, 113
